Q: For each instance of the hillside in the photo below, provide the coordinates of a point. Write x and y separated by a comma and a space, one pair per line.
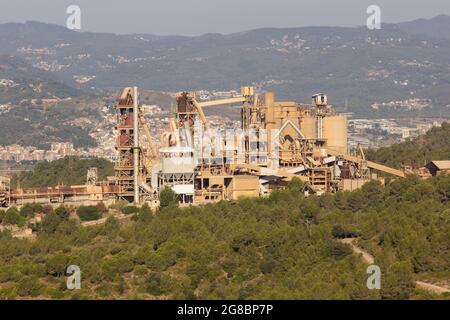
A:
437, 27
283, 247
434, 145
67, 171
20, 83
355, 66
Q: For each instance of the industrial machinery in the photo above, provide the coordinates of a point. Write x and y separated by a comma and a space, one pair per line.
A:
278, 141
4, 191
135, 158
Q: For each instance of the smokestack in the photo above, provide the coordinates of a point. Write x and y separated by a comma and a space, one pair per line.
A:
136, 144
269, 100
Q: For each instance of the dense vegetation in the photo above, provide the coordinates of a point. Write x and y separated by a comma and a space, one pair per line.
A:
434, 145
67, 171
284, 247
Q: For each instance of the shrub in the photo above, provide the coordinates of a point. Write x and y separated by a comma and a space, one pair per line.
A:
341, 232
26, 211
339, 250
119, 205
2, 215
62, 212
398, 283
156, 284
50, 222
168, 198
145, 214
29, 286
47, 209
102, 208
12, 216
88, 213
130, 209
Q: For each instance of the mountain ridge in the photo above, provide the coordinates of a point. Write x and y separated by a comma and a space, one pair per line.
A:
357, 67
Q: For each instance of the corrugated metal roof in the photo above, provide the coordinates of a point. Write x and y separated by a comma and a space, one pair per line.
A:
442, 164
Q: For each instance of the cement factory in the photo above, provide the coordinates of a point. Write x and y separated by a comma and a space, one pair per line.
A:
277, 141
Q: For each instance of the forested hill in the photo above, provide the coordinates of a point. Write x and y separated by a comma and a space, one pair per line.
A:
286, 246
67, 171
434, 145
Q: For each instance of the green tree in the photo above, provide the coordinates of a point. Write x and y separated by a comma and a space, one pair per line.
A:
168, 198
12, 216
398, 284
67, 171
56, 264
145, 214
130, 209
29, 286
50, 222
88, 213
296, 185
62, 212
2, 215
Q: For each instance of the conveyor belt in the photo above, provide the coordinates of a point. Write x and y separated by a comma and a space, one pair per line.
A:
370, 164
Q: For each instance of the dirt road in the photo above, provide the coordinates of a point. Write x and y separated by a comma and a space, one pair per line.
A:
369, 259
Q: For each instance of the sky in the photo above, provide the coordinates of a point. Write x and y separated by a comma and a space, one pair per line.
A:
195, 17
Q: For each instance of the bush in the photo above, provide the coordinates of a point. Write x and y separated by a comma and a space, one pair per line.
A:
296, 185
145, 214
12, 216
50, 222
130, 209
62, 212
88, 213
102, 208
47, 209
29, 286
119, 205
2, 215
56, 264
398, 283
340, 232
339, 250
26, 211
157, 284
168, 198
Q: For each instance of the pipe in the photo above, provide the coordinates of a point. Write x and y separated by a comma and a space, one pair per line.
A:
136, 145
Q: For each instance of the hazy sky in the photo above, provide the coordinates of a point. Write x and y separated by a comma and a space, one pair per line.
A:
193, 17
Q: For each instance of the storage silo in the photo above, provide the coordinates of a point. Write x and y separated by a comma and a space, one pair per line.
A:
308, 126
335, 132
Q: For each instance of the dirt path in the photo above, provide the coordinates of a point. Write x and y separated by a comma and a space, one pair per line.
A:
431, 287
103, 220
368, 258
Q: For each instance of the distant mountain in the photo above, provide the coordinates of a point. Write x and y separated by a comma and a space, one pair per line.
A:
395, 71
20, 82
437, 27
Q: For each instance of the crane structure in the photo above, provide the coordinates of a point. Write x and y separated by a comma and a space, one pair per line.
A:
134, 159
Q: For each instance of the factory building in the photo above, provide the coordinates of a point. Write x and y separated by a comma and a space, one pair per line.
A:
277, 142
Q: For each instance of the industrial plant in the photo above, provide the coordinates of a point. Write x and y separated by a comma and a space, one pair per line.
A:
277, 142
